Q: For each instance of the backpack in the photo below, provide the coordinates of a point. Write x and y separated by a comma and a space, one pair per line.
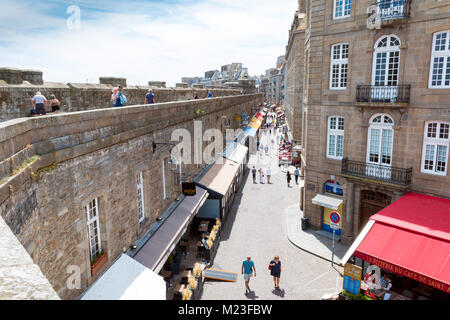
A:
123, 99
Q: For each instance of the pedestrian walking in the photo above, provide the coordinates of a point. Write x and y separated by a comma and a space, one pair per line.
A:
289, 178
150, 97
254, 175
248, 267
297, 174
266, 149
39, 102
268, 174
275, 271
261, 176
54, 103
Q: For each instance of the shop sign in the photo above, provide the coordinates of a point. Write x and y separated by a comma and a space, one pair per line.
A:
189, 189
404, 272
352, 278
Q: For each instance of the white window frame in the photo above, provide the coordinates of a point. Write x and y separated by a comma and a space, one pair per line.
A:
381, 126
344, 3
340, 62
140, 194
164, 180
335, 133
445, 54
388, 49
92, 216
436, 142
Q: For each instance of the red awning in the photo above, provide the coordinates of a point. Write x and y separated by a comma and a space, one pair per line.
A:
412, 238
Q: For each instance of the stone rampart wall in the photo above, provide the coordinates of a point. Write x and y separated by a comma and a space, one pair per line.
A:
15, 100
52, 166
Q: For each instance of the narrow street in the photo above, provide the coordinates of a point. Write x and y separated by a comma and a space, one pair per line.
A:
257, 229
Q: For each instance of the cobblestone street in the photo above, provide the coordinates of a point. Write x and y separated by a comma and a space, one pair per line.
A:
257, 227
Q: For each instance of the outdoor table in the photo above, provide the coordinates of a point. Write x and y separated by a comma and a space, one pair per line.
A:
167, 275
178, 291
185, 276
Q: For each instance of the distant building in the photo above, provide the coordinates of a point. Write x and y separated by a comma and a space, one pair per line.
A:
232, 75
272, 83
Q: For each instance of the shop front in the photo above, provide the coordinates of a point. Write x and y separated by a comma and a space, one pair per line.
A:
331, 201
404, 250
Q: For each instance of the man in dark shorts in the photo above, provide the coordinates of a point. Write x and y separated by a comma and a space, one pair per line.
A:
39, 103
150, 97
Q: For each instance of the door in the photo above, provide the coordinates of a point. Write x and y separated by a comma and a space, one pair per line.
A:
385, 71
380, 147
371, 203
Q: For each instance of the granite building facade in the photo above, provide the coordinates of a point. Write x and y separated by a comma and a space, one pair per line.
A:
374, 105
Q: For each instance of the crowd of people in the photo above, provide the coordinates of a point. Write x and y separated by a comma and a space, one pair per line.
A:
118, 99
40, 102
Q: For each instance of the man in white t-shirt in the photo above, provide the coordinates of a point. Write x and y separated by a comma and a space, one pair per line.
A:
268, 174
39, 103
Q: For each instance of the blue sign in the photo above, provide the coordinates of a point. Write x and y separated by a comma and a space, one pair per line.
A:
351, 285
334, 217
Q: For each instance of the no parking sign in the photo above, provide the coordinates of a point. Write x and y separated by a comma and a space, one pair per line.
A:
335, 218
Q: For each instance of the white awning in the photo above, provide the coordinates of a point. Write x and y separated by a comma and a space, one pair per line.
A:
127, 279
237, 154
358, 241
327, 201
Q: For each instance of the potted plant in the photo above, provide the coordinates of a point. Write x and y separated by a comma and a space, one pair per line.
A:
98, 261
197, 271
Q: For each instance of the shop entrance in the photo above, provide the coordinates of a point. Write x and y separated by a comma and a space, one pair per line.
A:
371, 203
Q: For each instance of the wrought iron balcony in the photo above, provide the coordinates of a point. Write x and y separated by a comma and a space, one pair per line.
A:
398, 176
366, 94
393, 9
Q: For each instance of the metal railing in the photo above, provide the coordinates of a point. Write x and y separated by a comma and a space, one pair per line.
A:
393, 9
383, 94
399, 176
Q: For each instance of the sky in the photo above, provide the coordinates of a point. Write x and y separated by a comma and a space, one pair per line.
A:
142, 40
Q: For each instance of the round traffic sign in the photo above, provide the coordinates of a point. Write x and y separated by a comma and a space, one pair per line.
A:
335, 217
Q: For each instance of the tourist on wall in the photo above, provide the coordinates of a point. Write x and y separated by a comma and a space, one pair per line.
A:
210, 94
39, 102
195, 96
54, 103
275, 271
150, 97
118, 98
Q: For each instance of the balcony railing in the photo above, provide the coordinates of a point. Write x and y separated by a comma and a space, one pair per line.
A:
385, 94
393, 9
398, 176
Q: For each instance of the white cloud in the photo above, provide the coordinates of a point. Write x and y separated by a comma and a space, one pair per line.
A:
185, 40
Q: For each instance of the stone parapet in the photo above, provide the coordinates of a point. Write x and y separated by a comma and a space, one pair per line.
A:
21, 278
15, 100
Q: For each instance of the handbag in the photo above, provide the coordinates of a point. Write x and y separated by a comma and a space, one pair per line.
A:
270, 267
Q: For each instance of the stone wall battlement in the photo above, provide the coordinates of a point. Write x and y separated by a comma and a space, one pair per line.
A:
15, 99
